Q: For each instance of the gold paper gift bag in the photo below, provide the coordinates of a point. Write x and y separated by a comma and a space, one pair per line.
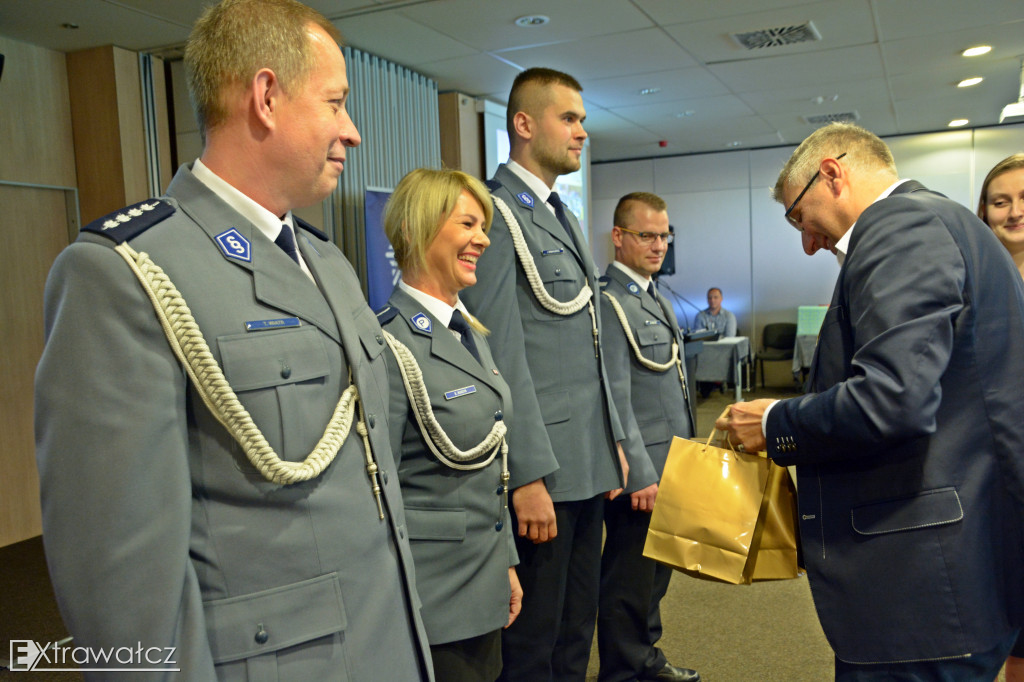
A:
724, 514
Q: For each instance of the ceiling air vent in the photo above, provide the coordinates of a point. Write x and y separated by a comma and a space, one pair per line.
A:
841, 117
776, 37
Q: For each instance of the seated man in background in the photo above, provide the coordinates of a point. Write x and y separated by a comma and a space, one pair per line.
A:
715, 317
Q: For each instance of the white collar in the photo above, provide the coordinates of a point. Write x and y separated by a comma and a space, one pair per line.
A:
441, 311
843, 245
265, 221
641, 280
534, 183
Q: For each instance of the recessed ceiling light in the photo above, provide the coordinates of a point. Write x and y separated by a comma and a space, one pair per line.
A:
977, 50
968, 82
649, 91
958, 122
734, 143
686, 114
532, 20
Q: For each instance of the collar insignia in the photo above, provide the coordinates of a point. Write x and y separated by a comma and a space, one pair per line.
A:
421, 322
234, 245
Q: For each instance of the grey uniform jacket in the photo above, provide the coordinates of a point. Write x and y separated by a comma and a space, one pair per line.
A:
560, 389
911, 441
459, 528
157, 528
656, 399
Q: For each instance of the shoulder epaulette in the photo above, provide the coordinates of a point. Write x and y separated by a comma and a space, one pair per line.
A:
319, 234
386, 314
131, 221
604, 281
492, 184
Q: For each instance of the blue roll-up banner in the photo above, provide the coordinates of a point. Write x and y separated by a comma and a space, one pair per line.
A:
382, 273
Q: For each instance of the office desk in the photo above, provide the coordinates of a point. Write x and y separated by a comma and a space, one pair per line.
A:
723, 360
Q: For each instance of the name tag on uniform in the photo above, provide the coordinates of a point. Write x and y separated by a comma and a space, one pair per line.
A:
261, 325
459, 392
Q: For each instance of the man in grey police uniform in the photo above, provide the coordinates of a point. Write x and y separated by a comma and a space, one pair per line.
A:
653, 392
565, 454
159, 532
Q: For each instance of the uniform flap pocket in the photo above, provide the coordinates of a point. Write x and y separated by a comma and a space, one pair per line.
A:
937, 507
652, 335
655, 432
261, 622
554, 407
557, 267
435, 523
263, 359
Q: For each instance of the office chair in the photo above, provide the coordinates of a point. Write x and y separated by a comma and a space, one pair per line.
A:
777, 340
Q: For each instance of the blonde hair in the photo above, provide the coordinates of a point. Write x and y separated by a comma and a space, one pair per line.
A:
1006, 165
234, 39
864, 151
420, 205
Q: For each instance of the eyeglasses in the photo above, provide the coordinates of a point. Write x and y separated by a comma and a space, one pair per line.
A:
803, 192
649, 237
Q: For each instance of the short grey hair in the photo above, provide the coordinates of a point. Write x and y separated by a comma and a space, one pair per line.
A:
864, 151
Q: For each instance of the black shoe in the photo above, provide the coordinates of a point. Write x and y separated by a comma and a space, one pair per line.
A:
671, 673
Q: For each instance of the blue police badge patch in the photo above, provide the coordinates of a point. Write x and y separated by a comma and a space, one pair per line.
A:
421, 322
525, 199
234, 245
633, 288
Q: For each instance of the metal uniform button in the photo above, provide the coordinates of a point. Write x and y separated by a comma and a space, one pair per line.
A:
286, 371
380, 340
498, 416
558, 271
499, 525
262, 636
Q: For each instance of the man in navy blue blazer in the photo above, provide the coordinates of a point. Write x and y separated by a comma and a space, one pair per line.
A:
909, 446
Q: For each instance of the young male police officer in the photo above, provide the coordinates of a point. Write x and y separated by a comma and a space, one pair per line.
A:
537, 291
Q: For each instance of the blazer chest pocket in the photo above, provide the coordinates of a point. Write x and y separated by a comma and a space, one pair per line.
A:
272, 620
265, 359
927, 509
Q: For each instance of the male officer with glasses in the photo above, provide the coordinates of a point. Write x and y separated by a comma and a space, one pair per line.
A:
644, 348
910, 446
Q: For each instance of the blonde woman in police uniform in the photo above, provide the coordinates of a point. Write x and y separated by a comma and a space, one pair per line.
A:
448, 411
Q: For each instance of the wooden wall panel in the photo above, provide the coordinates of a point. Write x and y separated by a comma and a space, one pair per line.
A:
94, 119
40, 216
35, 118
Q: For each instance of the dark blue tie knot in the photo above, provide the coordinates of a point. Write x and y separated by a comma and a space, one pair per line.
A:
459, 324
286, 240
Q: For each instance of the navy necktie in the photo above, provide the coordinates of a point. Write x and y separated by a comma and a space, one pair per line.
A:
556, 202
459, 324
286, 240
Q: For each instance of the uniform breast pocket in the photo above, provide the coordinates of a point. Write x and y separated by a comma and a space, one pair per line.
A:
279, 376
562, 278
653, 336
